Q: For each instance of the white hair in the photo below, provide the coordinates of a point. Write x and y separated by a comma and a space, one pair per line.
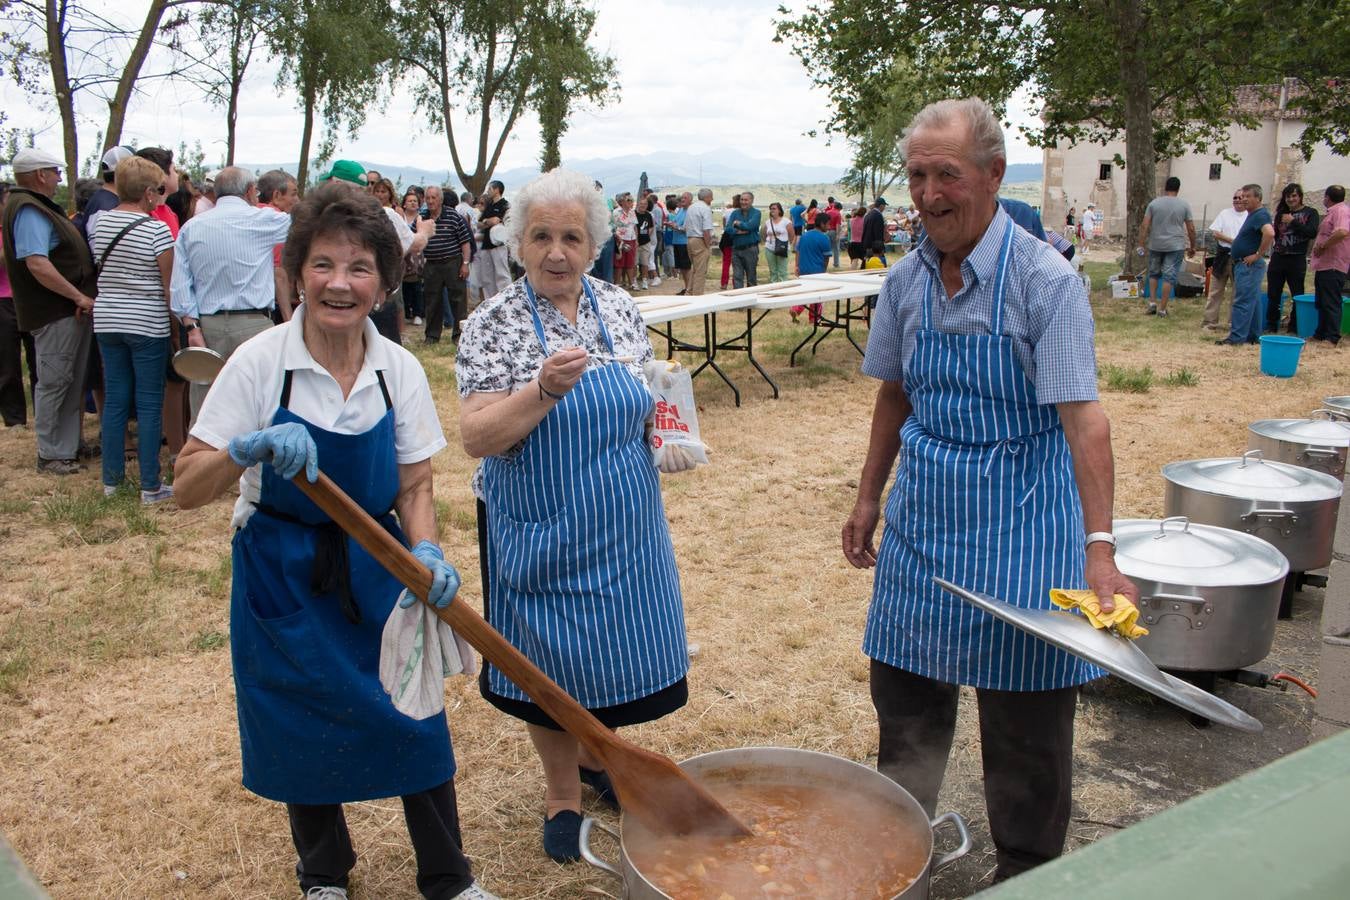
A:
986, 134
558, 187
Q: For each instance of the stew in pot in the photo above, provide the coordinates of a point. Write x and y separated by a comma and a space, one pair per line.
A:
809, 841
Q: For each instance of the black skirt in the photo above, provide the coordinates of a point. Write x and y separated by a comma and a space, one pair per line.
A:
634, 712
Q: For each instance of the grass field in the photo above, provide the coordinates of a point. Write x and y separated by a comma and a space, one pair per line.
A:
119, 748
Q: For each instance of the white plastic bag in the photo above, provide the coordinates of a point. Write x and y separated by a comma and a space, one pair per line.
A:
674, 439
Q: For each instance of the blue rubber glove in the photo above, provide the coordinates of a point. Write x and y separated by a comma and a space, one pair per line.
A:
444, 578
289, 448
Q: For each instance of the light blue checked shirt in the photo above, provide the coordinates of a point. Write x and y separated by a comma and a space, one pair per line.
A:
1045, 312
223, 259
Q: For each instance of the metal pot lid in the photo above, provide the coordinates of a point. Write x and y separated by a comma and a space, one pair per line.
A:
1252, 477
199, 365
1324, 432
1118, 656
1178, 551
1340, 406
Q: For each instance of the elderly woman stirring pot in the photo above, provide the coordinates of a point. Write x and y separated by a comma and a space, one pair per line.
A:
308, 606
578, 568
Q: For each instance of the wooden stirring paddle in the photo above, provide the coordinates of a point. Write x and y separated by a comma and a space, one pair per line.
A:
650, 786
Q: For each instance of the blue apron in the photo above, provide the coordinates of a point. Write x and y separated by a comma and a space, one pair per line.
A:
314, 723
985, 497
581, 569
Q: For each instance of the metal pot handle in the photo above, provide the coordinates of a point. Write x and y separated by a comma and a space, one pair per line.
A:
961, 829
1327, 452
1162, 526
1326, 412
589, 855
1258, 454
1177, 598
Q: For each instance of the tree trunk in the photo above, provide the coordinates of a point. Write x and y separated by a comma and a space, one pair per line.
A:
117, 106
306, 135
65, 100
1140, 156
231, 122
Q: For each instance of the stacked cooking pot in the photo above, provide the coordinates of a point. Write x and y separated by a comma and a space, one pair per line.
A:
1241, 533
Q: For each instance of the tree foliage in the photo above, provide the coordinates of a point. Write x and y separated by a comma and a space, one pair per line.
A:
336, 54
1163, 74
496, 59
59, 51
230, 33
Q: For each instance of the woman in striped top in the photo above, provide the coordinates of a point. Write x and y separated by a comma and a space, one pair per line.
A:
134, 253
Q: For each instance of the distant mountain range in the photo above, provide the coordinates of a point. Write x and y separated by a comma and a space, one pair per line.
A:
664, 169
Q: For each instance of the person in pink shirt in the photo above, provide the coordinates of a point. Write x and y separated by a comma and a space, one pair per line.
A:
164, 159
1330, 260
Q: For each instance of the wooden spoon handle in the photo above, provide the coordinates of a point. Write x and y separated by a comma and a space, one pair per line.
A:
400, 562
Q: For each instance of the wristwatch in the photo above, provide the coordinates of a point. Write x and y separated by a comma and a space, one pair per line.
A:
1104, 537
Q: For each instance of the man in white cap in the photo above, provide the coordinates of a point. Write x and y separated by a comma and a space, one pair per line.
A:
105, 198
54, 283
207, 200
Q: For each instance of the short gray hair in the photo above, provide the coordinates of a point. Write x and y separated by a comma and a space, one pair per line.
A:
705, 193
558, 187
232, 181
986, 134
1254, 189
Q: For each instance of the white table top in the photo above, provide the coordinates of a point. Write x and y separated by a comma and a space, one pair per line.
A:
658, 309
860, 276
827, 288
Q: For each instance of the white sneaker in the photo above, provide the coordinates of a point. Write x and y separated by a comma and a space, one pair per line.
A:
417, 320
327, 893
109, 490
656, 281
642, 286
474, 891
158, 495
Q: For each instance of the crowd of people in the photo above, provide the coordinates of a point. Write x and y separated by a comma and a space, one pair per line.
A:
1254, 248
305, 301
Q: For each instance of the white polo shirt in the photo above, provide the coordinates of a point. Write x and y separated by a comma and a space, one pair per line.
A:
698, 219
247, 393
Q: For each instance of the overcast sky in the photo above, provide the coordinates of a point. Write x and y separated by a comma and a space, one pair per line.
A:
694, 75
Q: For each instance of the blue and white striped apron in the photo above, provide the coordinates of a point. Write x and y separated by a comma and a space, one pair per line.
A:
985, 497
581, 570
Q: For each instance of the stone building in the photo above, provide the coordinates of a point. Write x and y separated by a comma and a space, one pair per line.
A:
1087, 173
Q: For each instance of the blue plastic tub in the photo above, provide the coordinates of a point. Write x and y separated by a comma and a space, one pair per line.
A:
1305, 315
1279, 355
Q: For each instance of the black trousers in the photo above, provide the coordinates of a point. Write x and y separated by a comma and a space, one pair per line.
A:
438, 277
14, 344
1328, 285
1026, 745
326, 854
1285, 269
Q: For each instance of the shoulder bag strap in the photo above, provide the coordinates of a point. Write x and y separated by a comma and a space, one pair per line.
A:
103, 257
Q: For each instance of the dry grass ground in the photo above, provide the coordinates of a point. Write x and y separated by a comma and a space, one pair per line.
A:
118, 742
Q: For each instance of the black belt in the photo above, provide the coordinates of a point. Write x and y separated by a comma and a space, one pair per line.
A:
440, 262
331, 571
239, 312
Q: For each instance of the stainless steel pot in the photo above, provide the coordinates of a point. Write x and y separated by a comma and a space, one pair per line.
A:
785, 765
1209, 596
1292, 507
1339, 407
1319, 442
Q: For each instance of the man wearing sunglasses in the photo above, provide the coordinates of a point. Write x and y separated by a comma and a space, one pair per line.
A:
52, 275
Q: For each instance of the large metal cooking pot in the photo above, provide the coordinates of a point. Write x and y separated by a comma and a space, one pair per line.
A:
786, 765
1319, 442
1209, 596
1292, 507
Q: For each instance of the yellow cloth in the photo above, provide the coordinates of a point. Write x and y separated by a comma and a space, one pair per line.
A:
873, 263
1123, 619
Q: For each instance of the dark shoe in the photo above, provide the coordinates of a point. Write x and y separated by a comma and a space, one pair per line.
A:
433, 340
682, 292
562, 837
598, 781
58, 466
1224, 342
1152, 310
89, 451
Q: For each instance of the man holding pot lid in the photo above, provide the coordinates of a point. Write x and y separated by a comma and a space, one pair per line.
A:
983, 343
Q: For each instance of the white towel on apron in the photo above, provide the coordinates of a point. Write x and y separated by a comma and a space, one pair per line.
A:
417, 653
